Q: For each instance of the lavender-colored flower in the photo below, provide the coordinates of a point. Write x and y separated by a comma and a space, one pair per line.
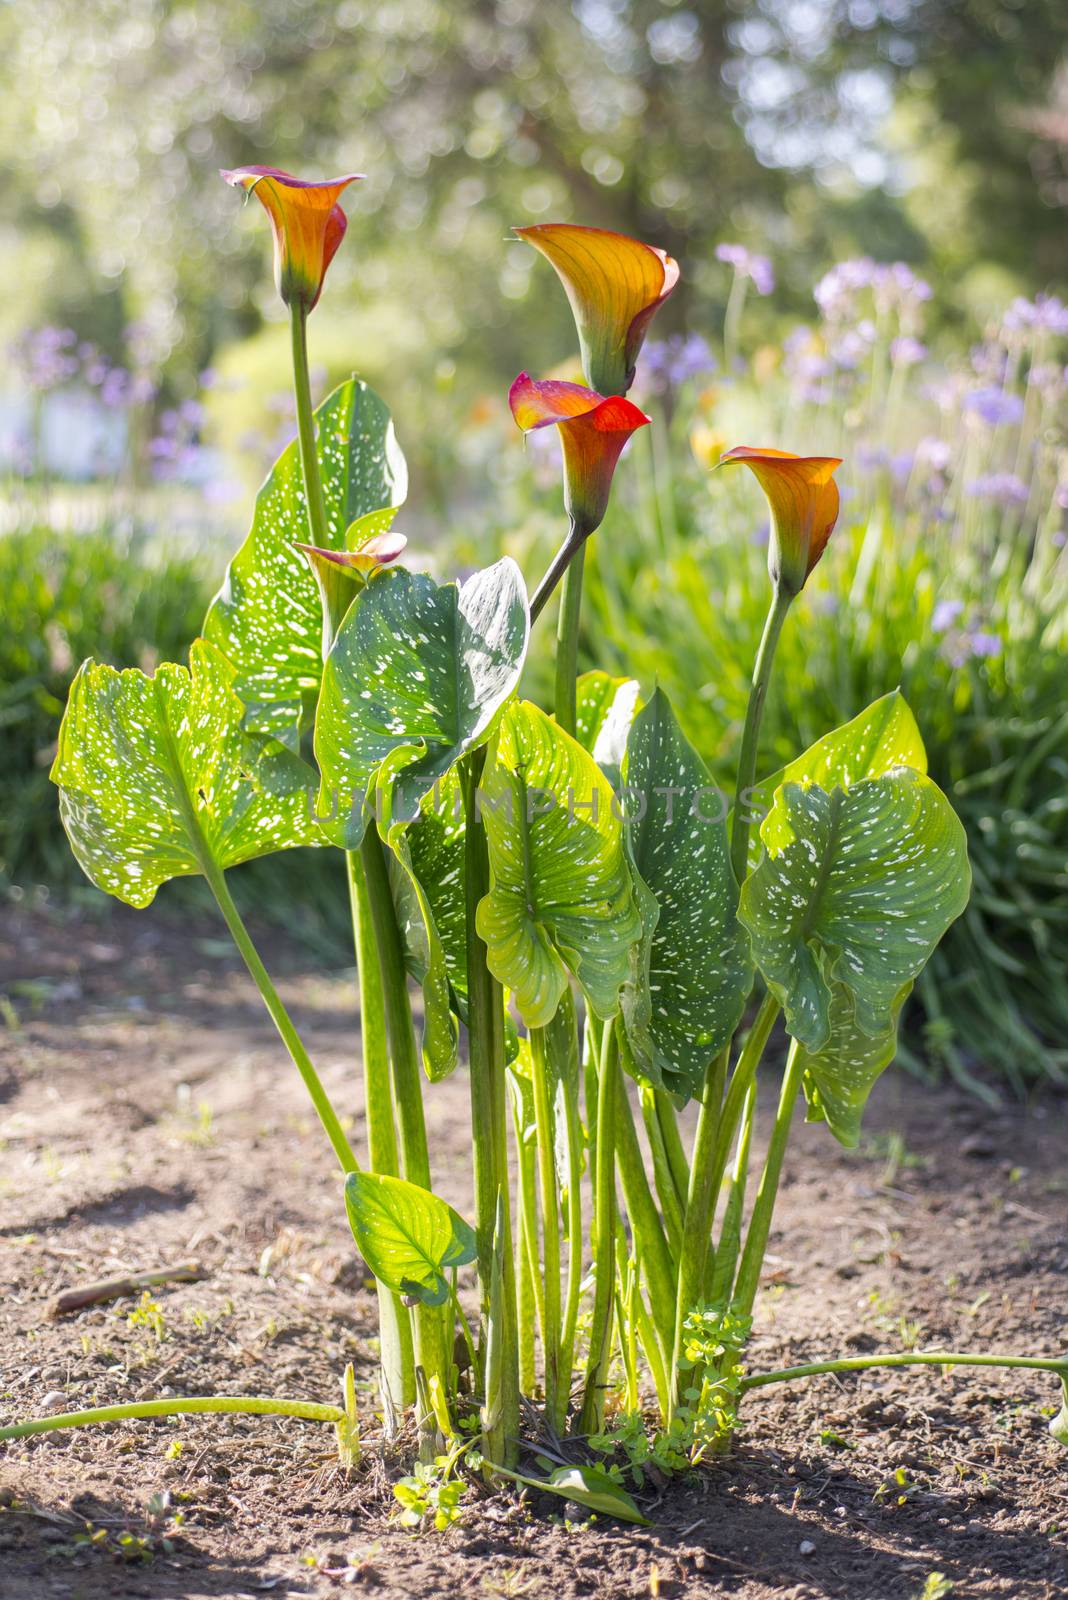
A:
894, 287
907, 352
1001, 488
756, 268
1046, 313
669, 363
945, 615
996, 406
934, 453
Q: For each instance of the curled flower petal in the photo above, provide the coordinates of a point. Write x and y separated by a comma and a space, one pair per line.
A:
803, 498
307, 223
615, 285
341, 574
593, 431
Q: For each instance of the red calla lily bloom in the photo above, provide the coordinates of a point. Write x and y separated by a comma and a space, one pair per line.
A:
307, 223
341, 574
593, 431
615, 285
804, 502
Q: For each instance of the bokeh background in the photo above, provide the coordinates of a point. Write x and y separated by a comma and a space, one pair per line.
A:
868, 201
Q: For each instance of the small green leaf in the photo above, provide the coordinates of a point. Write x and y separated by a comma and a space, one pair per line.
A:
856, 888
561, 895
156, 777
267, 617
417, 674
694, 970
604, 710
593, 1488
1059, 1426
408, 1237
883, 736
839, 1078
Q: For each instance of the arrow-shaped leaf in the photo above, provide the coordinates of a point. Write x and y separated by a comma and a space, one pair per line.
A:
561, 895
156, 778
839, 1078
408, 1237
416, 677
855, 888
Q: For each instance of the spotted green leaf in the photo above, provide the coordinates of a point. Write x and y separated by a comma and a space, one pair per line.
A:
156, 779
694, 971
856, 887
561, 895
840, 1077
416, 677
267, 617
408, 1237
883, 736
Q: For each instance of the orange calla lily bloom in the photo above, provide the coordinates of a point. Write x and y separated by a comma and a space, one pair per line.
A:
804, 502
341, 574
593, 431
307, 223
615, 285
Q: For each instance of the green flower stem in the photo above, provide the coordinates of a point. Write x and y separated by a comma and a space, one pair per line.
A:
730, 1238
575, 1239
239, 1404
697, 1224
663, 1175
926, 1358
756, 1239
557, 1383
567, 638
530, 1292
496, 1266
591, 1418
309, 455
742, 1080
278, 1013
672, 1143
394, 1322
650, 1242
747, 756
555, 571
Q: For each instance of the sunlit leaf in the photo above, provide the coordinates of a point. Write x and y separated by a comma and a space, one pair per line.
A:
1059, 1426
561, 896
604, 710
857, 888
591, 1487
416, 677
408, 1237
156, 778
694, 971
840, 1077
267, 617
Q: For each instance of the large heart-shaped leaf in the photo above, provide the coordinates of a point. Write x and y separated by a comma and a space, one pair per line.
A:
417, 674
856, 887
560, 894
408, 1237
839, 1078
156, 778
883, 736
267, 617
688, 993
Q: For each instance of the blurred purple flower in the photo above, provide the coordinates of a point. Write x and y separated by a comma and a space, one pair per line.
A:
894, 287
934, 453
1002, 488
669, 363
995, 406
945, 615
907, 352
1046, 313
757, 269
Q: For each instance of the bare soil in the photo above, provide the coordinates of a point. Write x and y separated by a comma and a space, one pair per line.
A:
148, 1114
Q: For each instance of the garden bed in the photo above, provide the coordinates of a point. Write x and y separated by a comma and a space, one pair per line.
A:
148, 1115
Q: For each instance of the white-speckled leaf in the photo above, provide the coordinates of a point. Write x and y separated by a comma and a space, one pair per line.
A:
561, 895
267, 617
416, 677
839, 1078
857, 887
408, 1237
604, 710
155, 775
883, 736
694, 974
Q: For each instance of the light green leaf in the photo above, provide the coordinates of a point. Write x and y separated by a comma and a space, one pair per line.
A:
267, 617
408, 1237
1059, 1426
156, 778
883, 736
560, 894
416, 677
694, 970
604, 711
855, 888
839, 1078
591, 1487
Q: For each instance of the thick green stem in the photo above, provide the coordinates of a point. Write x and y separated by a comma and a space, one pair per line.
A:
556, 1382
608, 1090
555, 571
238, 1404
671, 1205
742, 1079
574, 1219
747, 755
651, 1245
496, 1267
567, 639
309, 455
926, 1358
697, 1224
394, 1322
756, 1239
672, 1144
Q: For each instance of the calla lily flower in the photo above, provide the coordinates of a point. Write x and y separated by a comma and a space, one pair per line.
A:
615, 285
307, 223
803, 497
341, 574
593, 431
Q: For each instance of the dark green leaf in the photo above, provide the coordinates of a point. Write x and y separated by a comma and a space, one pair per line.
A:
840, 1077
408, 1237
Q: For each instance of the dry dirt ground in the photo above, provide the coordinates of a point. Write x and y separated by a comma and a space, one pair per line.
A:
147, 1113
